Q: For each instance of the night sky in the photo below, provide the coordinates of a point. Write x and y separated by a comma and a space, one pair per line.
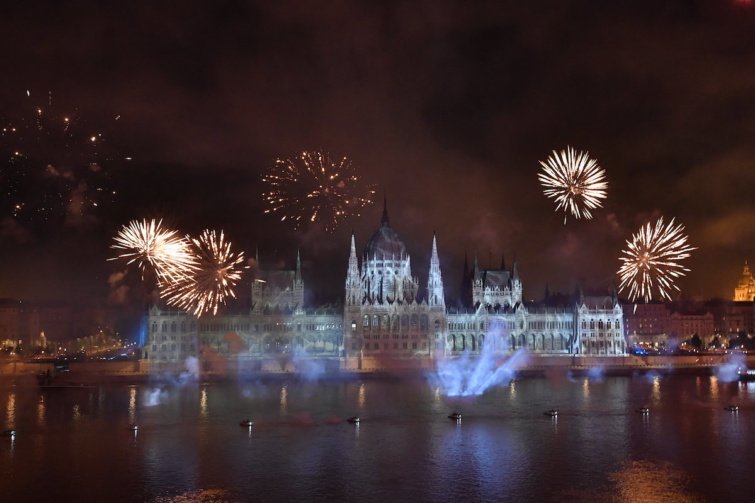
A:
446, 107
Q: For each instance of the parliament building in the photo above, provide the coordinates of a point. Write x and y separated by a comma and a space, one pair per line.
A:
387, 320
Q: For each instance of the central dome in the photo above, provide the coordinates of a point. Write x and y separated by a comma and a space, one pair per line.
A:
385, 243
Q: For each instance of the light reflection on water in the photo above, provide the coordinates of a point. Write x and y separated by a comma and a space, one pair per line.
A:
190, 446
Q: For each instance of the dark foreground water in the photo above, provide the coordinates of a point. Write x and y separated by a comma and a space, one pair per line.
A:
75, 445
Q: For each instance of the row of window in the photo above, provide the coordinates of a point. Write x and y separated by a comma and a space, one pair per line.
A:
164, 347
513, 325
375, 346
387, 322
601, 325
396, 336
243, 327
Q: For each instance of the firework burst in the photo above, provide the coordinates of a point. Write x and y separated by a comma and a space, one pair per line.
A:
651, 260
212, 281
156, 248
51, 163
312, 187
574, 181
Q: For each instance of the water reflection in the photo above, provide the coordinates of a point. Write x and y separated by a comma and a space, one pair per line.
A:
10, 412
361, 397
132, 406
656, 389
41, 410
284, 400
714, 388
203, 403
76, 412
651, 482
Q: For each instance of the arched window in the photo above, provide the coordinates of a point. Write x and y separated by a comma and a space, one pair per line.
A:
415, 320
404, 321
394, 322
385, 324
375, 322
183, 327
592, 324
366, 322
154, 326
173, 327
423, 322
353, 325
164, 327
600, 325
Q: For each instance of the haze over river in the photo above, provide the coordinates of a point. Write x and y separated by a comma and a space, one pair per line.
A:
74, 444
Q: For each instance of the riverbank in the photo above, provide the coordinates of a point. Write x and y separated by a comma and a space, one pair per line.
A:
140, 372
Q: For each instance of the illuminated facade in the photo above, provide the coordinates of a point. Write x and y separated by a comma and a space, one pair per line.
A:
745, 289
388, 318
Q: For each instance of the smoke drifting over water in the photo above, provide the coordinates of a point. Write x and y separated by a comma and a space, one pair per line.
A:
728, 372
472, 376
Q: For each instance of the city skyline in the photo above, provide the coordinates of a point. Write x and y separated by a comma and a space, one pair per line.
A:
448, 109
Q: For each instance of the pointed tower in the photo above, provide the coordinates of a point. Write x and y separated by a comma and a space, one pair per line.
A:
435, 296
465, 295
298, 287
353, 283
516, 283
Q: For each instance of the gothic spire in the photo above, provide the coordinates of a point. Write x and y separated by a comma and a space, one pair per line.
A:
385, 220
297, 277
435, 296
353, 286
476, 266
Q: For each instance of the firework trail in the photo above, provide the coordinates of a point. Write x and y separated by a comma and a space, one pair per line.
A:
156, 248
651, 260
212, 281
311, 187
51, 164
574, 181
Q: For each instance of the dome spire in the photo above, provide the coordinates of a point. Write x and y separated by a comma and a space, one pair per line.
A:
385, 220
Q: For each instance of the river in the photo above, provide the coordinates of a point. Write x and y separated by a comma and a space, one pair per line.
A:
75, 444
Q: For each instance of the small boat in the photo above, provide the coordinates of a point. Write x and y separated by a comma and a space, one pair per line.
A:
643, 410
246, 423
552, 413
9, 433
746, 374
455, 416
353, 420
732, 408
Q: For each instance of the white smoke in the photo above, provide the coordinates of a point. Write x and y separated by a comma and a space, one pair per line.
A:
472, 376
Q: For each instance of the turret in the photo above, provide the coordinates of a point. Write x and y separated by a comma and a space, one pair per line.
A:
435, 296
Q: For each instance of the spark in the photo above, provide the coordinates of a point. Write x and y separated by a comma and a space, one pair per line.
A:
574, 181
312, 187
651, 260
47, 154
212, 281
156, 248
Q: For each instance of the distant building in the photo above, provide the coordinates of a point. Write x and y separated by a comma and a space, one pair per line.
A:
388, 318
745, 289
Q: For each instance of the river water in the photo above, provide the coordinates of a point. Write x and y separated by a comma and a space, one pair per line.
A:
76, 445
